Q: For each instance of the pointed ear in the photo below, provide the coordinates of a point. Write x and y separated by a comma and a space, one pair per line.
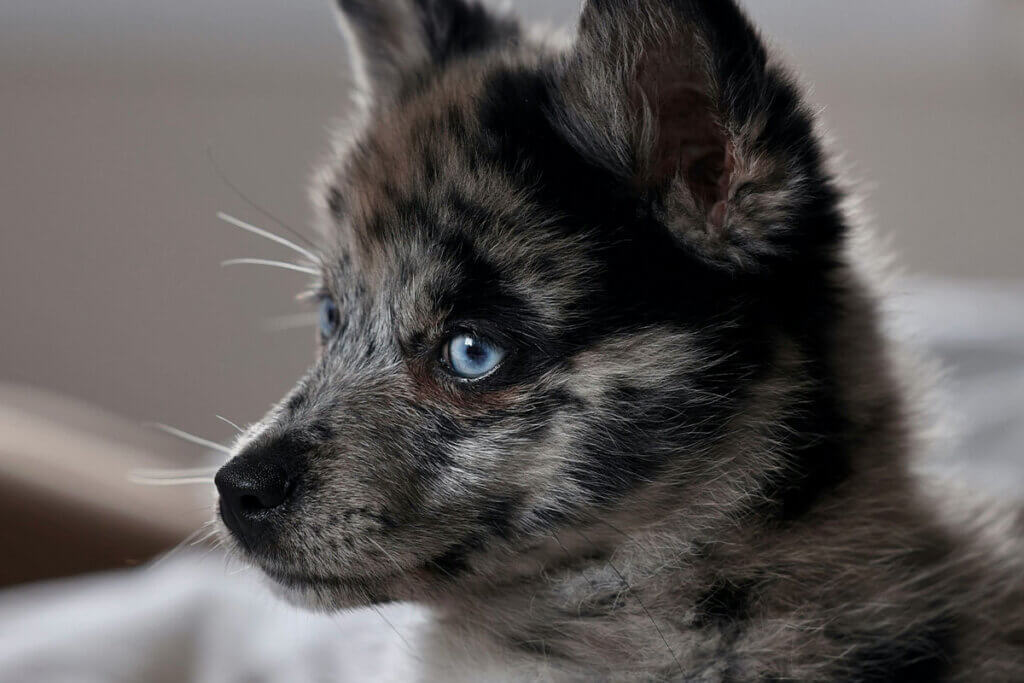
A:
392, 41
678, 98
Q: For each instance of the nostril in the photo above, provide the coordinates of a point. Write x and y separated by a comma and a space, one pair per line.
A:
265, 488
250, 504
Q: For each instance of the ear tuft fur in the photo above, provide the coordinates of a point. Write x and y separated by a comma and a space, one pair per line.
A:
393, 41
678, 98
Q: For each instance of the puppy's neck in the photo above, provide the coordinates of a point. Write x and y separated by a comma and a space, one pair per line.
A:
658, 601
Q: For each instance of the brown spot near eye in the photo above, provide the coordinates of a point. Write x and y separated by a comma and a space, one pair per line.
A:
467, 401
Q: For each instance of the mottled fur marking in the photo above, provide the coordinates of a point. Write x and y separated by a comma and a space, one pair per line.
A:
694, 461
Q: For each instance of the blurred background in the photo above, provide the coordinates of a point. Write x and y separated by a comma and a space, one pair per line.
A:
115, 116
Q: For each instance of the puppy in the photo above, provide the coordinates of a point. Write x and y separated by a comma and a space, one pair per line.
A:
600, 379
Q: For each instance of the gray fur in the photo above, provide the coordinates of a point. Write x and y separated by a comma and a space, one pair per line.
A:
613, 512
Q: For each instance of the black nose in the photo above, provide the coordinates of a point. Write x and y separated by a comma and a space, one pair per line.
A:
250, 489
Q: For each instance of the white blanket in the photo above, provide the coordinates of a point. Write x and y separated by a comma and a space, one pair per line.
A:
192, 618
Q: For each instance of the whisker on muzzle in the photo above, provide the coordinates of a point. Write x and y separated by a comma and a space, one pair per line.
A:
195, 538
266, 234
227, 421
256, 207
174, 472
191, 438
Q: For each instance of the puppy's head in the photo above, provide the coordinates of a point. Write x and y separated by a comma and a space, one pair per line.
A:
555, 287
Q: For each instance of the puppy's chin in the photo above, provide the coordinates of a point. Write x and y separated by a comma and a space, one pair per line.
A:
299, 588
322, 594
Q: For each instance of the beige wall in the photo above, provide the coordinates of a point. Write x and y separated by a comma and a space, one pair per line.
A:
110, 288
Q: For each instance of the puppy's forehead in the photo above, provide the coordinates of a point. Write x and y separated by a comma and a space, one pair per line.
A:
421, 165
428, 195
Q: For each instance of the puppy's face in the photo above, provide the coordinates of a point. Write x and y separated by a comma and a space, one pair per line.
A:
543, 298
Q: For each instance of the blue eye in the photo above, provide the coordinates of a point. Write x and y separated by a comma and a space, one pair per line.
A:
471, 357
328, 317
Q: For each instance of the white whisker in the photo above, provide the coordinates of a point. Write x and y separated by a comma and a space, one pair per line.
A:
224, 419
241, 195
405, 643
203, 539
192, 438
386, 554
163, 557
174, 473
268, 262
248, 227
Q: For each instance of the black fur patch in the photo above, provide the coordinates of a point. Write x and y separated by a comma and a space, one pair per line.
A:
817, 462
496, 520
481, 292
455, 28
920, 657
818, 458
335, 203
725, 604
790, 298
452, 563
519, 138
497, 517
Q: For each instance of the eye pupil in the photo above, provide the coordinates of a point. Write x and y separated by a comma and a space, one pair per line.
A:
473, 350
470, 356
